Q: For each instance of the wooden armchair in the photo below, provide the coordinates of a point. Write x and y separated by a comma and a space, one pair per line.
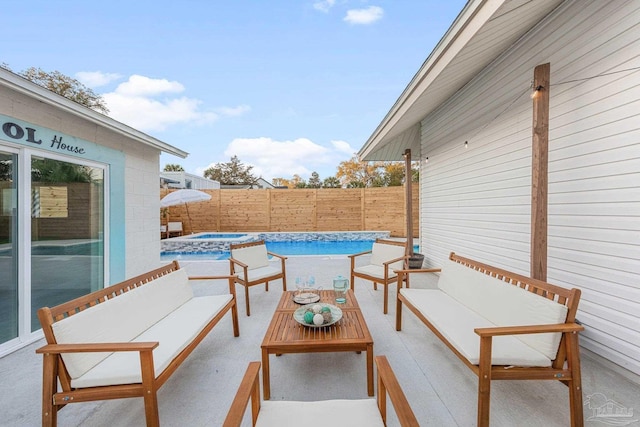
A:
249, 262
352, 413
386, 256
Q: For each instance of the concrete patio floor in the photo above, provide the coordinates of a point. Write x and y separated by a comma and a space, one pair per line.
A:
440, 389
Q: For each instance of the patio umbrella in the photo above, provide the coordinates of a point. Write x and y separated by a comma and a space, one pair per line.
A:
185, 196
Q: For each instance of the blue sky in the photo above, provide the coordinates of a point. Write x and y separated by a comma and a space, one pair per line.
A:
290, 87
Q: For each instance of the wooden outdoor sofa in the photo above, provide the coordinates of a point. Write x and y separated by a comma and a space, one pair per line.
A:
341, 412
126, 340
502, 325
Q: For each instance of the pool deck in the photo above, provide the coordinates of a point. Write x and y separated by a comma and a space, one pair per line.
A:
441, 391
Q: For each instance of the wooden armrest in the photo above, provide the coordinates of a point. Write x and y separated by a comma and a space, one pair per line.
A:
418, 270
388, 383
98, 347
276, 255
359, 254
241, 264
229, 276
386, 264
528, 329
249, 389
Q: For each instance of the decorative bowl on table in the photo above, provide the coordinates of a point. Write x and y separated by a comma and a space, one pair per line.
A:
317, 315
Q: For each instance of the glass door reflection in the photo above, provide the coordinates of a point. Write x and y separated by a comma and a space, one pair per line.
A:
67, 227
8, 247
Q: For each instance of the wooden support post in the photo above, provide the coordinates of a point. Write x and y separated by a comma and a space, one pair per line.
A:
539, 171
408, 200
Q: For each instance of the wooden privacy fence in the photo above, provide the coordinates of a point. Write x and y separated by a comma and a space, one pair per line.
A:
322, 209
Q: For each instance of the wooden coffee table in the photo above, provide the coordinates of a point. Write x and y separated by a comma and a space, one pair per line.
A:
285, 335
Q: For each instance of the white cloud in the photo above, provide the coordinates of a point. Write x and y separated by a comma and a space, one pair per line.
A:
146, 86
234, 111
151, 105
364, 16
324, 5
344, 147
283, 159
96, 78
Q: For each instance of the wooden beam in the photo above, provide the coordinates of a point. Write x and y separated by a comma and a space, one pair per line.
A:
408, 198
539, 171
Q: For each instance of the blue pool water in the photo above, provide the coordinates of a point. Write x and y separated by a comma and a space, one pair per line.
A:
218, 236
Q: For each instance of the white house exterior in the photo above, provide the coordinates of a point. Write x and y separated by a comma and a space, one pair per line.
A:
181, 179
469, 112
61, 238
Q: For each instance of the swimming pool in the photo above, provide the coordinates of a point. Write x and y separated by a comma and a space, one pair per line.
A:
203, 247
217, 236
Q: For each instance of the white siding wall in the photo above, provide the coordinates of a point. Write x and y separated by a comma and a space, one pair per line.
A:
476, 201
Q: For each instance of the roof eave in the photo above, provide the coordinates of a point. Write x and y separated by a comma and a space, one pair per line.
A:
28, 88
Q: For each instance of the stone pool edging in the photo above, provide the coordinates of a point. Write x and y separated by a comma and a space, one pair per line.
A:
188, 245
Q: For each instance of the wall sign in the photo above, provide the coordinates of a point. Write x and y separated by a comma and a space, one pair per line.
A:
31, 135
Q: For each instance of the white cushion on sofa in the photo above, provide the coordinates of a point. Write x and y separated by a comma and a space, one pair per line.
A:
252, 256
456, 323
382, 252
120, 319
504, 304
323, 413
174, 332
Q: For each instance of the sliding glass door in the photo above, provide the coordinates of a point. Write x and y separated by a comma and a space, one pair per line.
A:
52, 244
8, 246
67, 232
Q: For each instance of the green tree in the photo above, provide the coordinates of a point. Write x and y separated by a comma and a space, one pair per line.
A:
298, 182
55, 171
314, 181
64, 85
233, 172
331, 182
358, 174
171, 167
392, 174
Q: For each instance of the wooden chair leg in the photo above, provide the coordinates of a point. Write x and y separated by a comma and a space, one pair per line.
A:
49, 388
246, 300
484, 382
398, 314
149, 389
375, 286
575, 385
386, 298
266, 286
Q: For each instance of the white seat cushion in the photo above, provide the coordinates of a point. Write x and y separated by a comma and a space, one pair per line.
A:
259, 273
456, 322
374, 270
324, 413
120, 319
504, 304
174, 333
252, 256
